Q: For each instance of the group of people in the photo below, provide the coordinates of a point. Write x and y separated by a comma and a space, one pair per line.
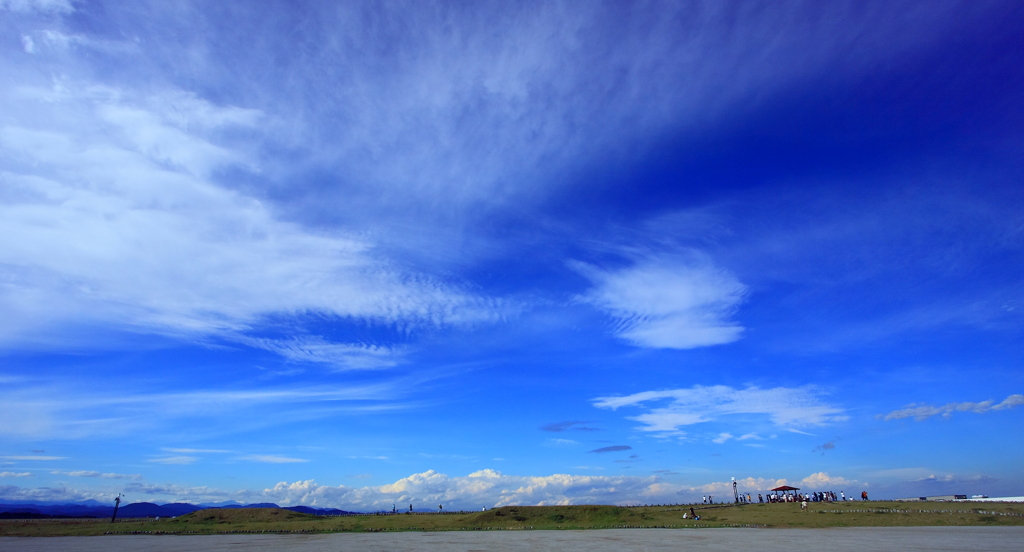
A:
822, 496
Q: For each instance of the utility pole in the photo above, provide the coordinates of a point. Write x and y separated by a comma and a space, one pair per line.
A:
735, 493
117, 502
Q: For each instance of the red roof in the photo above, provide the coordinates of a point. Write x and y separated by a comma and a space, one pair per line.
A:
786, 488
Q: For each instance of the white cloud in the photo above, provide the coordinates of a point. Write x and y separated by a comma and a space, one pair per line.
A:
343, 356
12, 493
562, 442
485, 487
428, 489
174, 460
492, 488
111, 217
783, 406
666, 302
28, 6
31, 458
271, 459
195, 451
97, 474
955, 480
116, 213
824, 481
923, 412
746, 484
820, 481
82, 410
15, 474
723, 437
479, 113
481, 488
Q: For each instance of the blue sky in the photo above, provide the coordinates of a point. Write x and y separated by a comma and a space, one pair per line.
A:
357, 254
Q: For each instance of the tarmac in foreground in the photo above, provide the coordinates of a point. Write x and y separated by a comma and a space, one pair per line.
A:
859, 539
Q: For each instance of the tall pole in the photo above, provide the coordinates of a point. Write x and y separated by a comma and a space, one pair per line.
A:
735, 493
117, 502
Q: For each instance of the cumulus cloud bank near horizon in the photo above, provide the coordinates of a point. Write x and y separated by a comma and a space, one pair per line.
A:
783, 406
488, 488
923, 411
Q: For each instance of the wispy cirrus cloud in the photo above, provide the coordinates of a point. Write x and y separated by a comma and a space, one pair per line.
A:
31, 408
342, 356
99, 475
195, 451
15, 474
783, 406
271, 459
675, 302
179, 460
122, 181
923, 412
84, 244
45, 6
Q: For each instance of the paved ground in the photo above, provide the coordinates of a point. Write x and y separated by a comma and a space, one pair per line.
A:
611, 540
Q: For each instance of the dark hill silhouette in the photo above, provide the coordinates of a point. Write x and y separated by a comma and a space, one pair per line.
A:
140, 509
318, 511
181, 508
147, 509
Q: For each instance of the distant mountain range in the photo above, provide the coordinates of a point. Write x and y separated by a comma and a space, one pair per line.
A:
95, 509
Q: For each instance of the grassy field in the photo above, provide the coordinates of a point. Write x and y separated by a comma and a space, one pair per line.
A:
817, 515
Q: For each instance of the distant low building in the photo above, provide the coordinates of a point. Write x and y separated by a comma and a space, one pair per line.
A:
940, 498
972, 498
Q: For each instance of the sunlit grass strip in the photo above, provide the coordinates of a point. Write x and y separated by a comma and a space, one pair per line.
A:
524, 518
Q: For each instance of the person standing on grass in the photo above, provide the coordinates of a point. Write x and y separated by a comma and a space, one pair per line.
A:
703, 499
